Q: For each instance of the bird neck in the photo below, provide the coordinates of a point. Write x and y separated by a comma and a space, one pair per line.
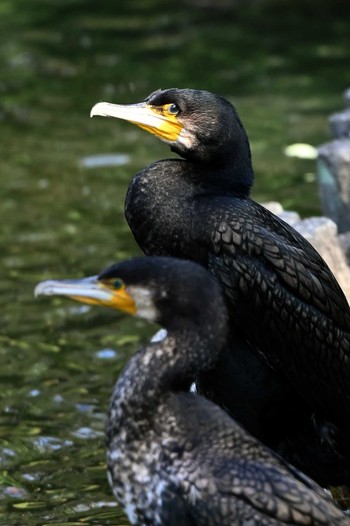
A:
160, 369
224, 178
161, 199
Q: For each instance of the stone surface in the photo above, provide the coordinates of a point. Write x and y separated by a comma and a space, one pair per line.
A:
340, 124
344, 240
333, 174
347, 97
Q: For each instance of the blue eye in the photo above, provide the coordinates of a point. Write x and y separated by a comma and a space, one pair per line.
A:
173, 109
118, 284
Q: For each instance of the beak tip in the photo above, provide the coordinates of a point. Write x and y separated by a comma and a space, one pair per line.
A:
41, 289
99, 109
92, 111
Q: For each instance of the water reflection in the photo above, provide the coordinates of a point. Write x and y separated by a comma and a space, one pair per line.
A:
97, 161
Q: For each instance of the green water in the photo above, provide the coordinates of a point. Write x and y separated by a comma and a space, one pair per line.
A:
285, 67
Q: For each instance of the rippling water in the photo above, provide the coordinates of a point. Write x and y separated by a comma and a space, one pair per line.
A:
63, 181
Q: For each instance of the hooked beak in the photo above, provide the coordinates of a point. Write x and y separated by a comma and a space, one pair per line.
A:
154, 119
89, 290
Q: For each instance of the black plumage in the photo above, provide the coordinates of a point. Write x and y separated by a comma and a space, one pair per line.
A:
175, 458
285, 371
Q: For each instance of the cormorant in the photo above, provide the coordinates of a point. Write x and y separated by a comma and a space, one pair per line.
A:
285, 371
174, 457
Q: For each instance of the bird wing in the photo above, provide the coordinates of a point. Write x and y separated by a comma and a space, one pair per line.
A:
282, 295
268, 494
226, 477
247, 232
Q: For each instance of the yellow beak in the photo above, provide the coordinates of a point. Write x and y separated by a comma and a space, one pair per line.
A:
154, 119
88, 290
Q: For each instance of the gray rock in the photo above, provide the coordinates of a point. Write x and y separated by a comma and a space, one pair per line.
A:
347, 97
340, 124
344, 240
333, 173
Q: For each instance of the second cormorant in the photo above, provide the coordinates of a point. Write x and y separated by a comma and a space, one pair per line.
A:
175, 458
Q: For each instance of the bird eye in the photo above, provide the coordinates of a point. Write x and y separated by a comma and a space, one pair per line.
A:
118, 284
173, 109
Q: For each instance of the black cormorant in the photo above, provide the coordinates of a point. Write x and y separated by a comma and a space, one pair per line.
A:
285, 371
174, 457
